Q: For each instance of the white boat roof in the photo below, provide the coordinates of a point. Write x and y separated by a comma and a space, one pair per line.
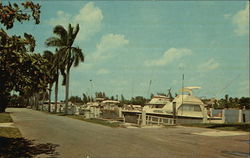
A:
110, 101
93, 103
189, 89
187, 99
136, 106
159, 100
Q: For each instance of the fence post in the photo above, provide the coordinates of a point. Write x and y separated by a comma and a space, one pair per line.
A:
240, 116
223, 116
119, 112
204, 115
211, 112
143, 118
174, 112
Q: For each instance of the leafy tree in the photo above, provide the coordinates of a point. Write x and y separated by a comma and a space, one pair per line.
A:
85, 98
75, 99
22, 72
151, 96
244, 102
70, 55
139, 100
103, 95
19, 70
89, 99
10, 13
122, 98
226, 101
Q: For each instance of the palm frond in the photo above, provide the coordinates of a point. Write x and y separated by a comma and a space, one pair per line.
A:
48, 55
54, 42
60, 31
78, 55
75, 32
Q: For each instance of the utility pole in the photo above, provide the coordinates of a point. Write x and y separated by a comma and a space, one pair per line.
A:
91, 88
182, 87
174, 112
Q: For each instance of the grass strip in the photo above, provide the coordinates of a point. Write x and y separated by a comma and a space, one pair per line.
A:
225, 126
5, 117
9, 132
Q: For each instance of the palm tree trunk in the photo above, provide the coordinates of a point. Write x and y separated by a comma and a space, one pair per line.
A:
56, 92
67, 91
50, 87
36, 101
44, 93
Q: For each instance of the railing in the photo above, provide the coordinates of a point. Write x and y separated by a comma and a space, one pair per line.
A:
156, 120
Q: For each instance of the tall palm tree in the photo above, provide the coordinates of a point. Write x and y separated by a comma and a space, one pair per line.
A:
69, 54
50, 57
58, 65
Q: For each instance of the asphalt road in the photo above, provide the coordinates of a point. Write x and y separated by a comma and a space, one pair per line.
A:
79, 139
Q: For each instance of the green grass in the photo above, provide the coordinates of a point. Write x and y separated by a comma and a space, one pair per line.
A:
97, 121
5, 117
9, 132
225, 126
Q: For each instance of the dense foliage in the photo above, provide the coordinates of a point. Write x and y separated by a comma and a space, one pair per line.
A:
229, 102
20, 70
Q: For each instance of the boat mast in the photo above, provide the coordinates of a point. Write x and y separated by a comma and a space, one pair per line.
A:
148, 91
182, 87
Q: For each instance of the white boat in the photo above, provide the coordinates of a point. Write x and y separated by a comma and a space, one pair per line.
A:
110, 104
158, 101
187, 105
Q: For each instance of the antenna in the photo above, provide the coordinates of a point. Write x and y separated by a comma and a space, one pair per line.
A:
91, 87
132, 88
150, 82
182, 86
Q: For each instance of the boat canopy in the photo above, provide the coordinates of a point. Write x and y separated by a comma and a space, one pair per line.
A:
159, 100
183, 99
189, 89
110, 101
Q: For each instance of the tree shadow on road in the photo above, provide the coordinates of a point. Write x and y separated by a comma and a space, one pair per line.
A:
20, 147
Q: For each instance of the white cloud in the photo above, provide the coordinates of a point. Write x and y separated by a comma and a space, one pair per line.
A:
169, 56
102, 71
211, 64
109, 43
241, 20
105, 49
62, 19
89, 18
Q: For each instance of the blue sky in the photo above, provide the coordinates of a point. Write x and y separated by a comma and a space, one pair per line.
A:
126, 44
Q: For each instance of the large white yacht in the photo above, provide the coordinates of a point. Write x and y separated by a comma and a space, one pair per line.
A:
187, 105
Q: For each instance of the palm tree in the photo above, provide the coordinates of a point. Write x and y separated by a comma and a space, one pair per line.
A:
50, 57
69, 54
58, 65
